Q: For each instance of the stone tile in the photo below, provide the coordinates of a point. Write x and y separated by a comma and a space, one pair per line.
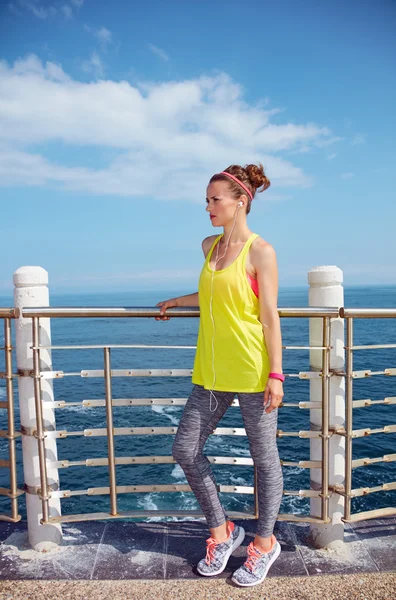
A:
185, 548
131, 551
74, 559
379, 538
351, 558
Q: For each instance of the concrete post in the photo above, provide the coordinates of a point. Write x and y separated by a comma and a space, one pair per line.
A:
31, 290
326, 290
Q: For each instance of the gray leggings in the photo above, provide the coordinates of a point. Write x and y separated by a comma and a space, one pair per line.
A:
198, 422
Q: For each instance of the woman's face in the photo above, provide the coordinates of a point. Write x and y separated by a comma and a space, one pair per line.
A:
220, 205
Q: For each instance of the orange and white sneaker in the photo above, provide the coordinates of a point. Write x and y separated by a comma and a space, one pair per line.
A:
257, 565
218, 553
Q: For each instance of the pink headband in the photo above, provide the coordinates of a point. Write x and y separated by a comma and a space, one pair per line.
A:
239, 183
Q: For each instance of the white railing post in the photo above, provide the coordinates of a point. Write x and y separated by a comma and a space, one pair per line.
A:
31, 289
326, 290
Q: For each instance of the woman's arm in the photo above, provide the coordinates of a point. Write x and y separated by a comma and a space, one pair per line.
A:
263, 258
188, 300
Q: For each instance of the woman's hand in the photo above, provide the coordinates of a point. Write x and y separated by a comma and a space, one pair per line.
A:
273, 394
165, 304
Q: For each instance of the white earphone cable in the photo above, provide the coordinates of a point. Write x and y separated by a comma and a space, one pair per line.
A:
211, 393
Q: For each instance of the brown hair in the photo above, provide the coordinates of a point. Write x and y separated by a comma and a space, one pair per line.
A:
252, 176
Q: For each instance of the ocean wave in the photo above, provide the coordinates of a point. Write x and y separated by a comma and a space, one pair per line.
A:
178, 473
295, 505
163, 410
238, 480
147, 502
76, 409
237, 451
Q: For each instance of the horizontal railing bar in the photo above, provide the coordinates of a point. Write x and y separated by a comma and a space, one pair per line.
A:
120, 373
143, 489
307, 347
305, 375
6, 434
146, 514
367, 402
151, 373
356, 433
377, 513
368, 373
140, 460
105, 312
177, 487
10, 519
362, 462
368, 431
154, 347
171, 373
156, 402
9, 313
124, 402
239, 431
367, 313
385, 487
373, 347
4, 404
291, 312
140, 514
301, 519
112, 346
144, 311
7, 492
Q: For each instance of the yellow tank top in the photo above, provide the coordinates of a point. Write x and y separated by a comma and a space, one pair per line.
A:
240, 361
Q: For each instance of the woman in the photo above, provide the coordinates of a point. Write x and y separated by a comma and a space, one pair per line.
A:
239, 351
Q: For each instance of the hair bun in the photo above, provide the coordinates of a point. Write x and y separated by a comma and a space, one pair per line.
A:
257, 176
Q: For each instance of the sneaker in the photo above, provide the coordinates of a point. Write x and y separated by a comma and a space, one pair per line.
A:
217, 554
257, 565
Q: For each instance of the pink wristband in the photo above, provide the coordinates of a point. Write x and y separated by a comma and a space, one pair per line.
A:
279, 376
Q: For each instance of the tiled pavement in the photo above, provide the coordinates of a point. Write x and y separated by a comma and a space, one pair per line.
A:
122, 550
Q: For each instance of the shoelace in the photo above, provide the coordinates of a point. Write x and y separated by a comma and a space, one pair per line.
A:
211, 544
210, 548
253, 556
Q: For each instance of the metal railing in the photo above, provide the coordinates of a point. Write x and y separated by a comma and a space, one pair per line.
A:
107, 373
7, 314
348, 432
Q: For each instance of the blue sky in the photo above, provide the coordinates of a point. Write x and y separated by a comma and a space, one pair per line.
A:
113, 117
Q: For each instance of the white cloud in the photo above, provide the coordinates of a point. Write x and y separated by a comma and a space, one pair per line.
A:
159, 52
45, 9
67, 11
94, 66
332, 156
347, 175
165, 138
358, 139
103, 35
39, 10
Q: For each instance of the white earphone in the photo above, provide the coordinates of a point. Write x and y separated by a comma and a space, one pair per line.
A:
240, 204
